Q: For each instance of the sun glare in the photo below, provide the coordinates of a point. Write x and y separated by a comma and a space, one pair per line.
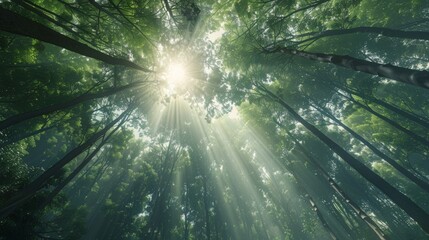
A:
175, 75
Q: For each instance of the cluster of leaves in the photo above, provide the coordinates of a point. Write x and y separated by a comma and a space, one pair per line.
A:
98, 168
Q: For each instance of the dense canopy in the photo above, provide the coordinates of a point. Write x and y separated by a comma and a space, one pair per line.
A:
204, 119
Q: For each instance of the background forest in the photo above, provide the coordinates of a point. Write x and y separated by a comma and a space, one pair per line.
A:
214, 119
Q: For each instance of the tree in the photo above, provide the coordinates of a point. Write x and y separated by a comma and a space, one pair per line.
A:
42, 180
91, 148
14, 23
417, 213
410, 76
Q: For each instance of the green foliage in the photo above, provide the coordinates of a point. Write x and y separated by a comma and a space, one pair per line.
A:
163, 172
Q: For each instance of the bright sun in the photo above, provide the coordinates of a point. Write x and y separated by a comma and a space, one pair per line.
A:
175, 75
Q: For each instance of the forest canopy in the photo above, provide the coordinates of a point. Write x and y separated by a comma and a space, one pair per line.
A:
204, 119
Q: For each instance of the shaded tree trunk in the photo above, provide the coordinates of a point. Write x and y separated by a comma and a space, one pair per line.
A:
186, 211
31, 189
154, 224
387, 32
413, 117
70, 177
14, 23
405, 75
401, 200
18, 137
312, 203
206, 207
424, 185
59, 106
31, 7
391, 122
311, 5
354, 205
79, 168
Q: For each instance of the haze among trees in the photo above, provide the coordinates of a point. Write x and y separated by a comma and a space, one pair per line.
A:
226, 119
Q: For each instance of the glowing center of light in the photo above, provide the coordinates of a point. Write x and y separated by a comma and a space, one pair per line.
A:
175, 75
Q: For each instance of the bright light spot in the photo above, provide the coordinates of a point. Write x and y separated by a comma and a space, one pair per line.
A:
216, 35
234, 114
175, 75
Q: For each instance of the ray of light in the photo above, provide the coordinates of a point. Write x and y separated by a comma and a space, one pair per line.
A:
239, 164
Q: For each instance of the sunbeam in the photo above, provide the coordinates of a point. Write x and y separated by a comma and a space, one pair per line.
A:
218, 119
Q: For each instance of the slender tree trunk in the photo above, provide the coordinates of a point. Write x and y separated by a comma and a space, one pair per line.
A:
387, 32
129, 21
413, 117
31, 189
405, 75
154, 224
206, 208
311, 5
401, 200
186, 208
169, 10
14, 23
30, 6
101, 9
18, 137
70, 177
391, 122
313, 204
424, 185
79, 168
359, 212
274, 195
64, 105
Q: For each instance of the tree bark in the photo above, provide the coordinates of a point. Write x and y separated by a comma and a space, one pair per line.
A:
31, 189
311, 5
30, 6
18, 137
70, 177
78, 169
14, 23
387, 32
313, 204
424, 185
391, 122
405, 75
359, 212
64, 105
413, 117
401, 200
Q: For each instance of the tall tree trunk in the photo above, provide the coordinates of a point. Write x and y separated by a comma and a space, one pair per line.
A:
64, 105
129, 21
187, 206
31, 189
30, 6
160, 197
424, 185
311, 5
405, 75
70, 177
413, 117
353, 205
19, 136
206, 208
313, 204
402, 201
391, 122
79, 168
14, 23
388, 32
